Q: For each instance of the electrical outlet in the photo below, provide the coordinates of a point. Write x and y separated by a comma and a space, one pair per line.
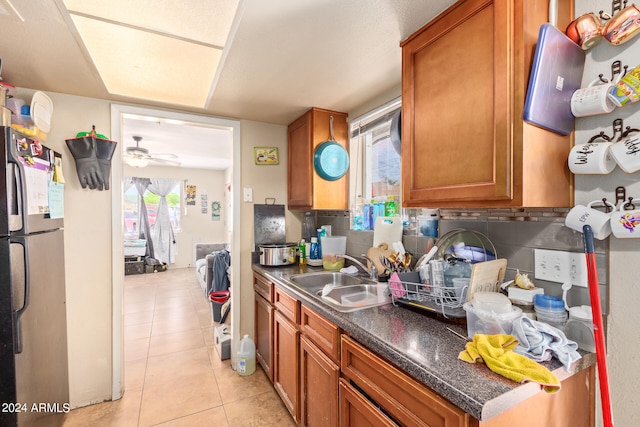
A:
247, 194
561, 267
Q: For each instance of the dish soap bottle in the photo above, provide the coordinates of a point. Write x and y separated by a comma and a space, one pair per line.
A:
314, 249
303, 253
247, 356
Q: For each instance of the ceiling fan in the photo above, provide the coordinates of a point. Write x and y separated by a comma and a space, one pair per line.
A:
140, 157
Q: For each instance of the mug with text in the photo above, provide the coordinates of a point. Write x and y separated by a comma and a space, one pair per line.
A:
626, 153
592, 100
581, 215
592, 158
625, 224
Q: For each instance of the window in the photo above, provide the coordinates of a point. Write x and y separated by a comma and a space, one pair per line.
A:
131, 207
375, 157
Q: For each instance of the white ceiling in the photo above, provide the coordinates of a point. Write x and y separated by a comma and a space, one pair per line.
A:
283, 56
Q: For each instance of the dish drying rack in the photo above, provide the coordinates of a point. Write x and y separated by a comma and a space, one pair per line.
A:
442, 300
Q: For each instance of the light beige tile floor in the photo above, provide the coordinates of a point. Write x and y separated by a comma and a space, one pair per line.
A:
173, 373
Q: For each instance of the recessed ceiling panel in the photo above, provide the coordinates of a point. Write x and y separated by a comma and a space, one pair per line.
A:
146, 65
205, 21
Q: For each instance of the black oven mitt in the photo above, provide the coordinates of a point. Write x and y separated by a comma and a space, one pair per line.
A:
104, 153
84, 151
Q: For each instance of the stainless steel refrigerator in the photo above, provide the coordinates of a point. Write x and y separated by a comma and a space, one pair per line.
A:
34, 373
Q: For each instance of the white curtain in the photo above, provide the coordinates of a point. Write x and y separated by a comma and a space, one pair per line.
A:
164, 242
141, 185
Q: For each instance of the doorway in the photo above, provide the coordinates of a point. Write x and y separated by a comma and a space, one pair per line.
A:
120, 114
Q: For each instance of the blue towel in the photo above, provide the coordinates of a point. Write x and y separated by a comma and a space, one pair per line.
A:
540, 341
221, 264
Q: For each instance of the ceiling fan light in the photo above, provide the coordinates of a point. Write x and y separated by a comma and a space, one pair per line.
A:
136, 162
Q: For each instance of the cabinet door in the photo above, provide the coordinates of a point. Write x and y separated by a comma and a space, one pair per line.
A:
306, 189
300, 158
455, 99
464, 82
357, 411
264, 334
286, 373
318, 387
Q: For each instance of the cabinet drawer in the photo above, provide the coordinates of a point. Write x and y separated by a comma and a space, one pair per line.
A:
321, 332
287, 305
263, 286
404, 399
356, 410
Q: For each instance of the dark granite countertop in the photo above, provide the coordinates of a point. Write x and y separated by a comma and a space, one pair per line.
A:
424, 348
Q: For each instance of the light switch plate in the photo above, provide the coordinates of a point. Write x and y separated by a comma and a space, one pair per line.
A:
561, 267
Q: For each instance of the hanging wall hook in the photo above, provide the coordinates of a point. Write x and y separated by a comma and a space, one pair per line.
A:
621, 194
616, 69
629, 205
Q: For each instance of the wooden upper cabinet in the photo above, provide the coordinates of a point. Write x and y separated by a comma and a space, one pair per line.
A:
306, 189
464, 81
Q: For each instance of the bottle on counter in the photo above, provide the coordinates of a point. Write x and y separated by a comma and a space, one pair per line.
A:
314, 249
302, 253
390, 207
366, 217
321, 233
378, 210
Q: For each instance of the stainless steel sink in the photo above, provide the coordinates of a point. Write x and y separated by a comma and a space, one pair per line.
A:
343, 292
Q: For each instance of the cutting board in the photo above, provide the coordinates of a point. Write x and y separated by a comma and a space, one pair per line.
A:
387, 229
375, 253
485, 276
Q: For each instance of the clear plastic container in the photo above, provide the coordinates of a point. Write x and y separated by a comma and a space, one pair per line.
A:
332, 248
550, 309
246, 356
579, 328
484, 322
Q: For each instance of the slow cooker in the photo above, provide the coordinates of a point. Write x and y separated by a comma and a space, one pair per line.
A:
278, 254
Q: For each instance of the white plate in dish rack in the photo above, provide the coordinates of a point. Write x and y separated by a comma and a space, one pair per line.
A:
41, 111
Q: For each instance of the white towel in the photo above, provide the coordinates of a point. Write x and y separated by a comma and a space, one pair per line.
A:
540, 341
352, 269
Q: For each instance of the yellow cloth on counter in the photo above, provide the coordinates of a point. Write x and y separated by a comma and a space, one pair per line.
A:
496, 351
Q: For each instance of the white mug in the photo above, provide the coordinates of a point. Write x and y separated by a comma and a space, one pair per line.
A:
581, 215
592, 100
592, 158
625, 224
626, 153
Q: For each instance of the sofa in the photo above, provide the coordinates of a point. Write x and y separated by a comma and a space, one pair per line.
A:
205, 263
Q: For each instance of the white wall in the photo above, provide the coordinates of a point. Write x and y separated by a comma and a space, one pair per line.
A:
623, 333
266, 181
197, 227
88, 238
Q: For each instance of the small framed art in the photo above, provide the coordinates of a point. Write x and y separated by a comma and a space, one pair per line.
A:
266, 155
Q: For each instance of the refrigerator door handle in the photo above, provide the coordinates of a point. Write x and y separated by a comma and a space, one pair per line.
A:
17, 335
19, 188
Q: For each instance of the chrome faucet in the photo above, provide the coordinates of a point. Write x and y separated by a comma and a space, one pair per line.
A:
372, 272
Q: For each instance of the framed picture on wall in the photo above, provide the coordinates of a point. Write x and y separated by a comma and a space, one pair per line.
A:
266, 155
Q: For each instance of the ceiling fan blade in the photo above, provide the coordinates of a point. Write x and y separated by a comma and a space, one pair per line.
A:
164, 161
167, 155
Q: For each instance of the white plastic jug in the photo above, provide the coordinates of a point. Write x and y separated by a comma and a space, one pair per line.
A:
247, 356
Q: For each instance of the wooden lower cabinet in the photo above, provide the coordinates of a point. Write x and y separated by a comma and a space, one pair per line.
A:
264, 334
286, 372
263, 315
319, 378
